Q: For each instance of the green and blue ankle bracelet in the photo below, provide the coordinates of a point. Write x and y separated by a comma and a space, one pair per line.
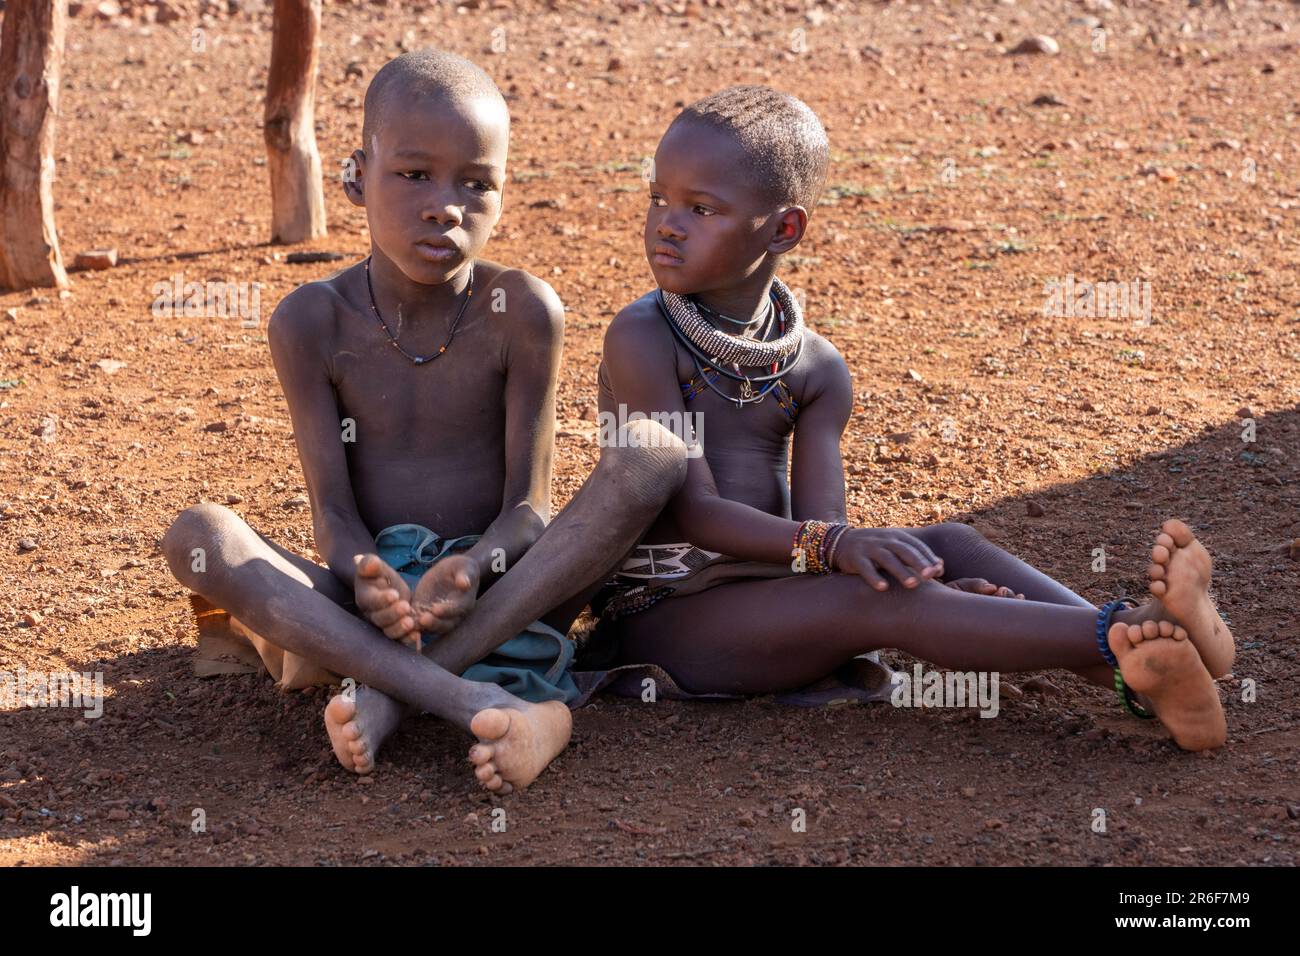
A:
1126, 695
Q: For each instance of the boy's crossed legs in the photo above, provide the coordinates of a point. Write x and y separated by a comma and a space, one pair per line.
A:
297, 605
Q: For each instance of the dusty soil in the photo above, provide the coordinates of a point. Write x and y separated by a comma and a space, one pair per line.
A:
953, 200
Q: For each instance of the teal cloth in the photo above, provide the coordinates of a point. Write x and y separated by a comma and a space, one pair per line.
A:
535, 665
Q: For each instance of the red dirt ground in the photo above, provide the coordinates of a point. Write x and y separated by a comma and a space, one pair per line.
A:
952, 200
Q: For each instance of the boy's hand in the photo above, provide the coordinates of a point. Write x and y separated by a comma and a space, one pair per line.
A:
982, 586
384, 598
869, 551
446, 593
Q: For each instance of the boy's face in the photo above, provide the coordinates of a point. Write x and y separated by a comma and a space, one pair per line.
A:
431, 182
707, 227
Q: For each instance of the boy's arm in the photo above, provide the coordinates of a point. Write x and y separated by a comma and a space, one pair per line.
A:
300, 351
532, 364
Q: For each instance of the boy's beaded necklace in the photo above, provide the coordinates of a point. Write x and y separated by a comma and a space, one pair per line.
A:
420, 359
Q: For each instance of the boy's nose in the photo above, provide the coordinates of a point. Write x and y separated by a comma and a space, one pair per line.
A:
444, 212
668, 228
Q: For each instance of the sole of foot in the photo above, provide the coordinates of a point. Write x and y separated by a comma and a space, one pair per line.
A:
357, 724
1155, 662
1180, 579
515, 745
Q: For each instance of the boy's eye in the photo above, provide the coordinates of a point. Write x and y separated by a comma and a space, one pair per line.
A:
410, 175
479, 186
657, 200
702, 210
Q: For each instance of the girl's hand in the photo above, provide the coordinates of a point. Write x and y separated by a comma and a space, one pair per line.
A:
981, 586
869, 551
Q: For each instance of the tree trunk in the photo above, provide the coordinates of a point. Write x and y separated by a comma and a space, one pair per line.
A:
31, 54
297, 197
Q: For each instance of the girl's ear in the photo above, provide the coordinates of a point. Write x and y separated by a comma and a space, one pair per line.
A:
353, 177
790, 227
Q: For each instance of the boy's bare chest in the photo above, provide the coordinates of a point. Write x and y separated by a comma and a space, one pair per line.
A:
459, 388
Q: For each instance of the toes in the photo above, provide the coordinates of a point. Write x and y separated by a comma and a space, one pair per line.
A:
1160, 553
490, 724
1179, 532
1180, 633
358, 747
1117, 638
480, 754
1166, 629
351, 731
486, 772
1158, 588
1150, 630
1156, 572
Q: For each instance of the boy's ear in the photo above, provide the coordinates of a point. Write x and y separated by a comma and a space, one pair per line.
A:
354, 177
790, 226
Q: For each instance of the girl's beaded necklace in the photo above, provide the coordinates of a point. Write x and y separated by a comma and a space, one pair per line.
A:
419, 359
783, 352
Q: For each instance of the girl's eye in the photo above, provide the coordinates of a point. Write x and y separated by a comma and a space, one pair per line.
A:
479, 186
703, 210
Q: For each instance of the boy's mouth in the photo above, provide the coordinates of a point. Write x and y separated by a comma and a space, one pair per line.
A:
437, 251
666, 256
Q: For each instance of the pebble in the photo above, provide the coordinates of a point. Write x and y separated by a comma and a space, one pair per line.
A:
217, 426
1041, 45
1034, 509
1048, 99
118, 814
297, 501
95, 259
27, 544
32, 618
233, 499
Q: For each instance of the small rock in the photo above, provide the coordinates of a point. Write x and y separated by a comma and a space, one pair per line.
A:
1048, 99
118, 814
96, 259
219, 426
1034, 509
191, 136
1295, 549
297, 501
994, 824
914, 376
968, 792
110, 366
1245, 412
32, 618
1041, 45
108, 10
301, 257
1041, 685
354, 68
1152, 410
233, 499
11, 315
26, 544
1226, 144
471, 819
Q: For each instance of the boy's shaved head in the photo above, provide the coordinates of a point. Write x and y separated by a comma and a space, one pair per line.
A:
785, 145
429, 72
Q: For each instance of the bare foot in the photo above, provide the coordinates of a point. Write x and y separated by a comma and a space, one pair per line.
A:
982, 586
517, 744
358, 727
1164, 666
1180, 578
